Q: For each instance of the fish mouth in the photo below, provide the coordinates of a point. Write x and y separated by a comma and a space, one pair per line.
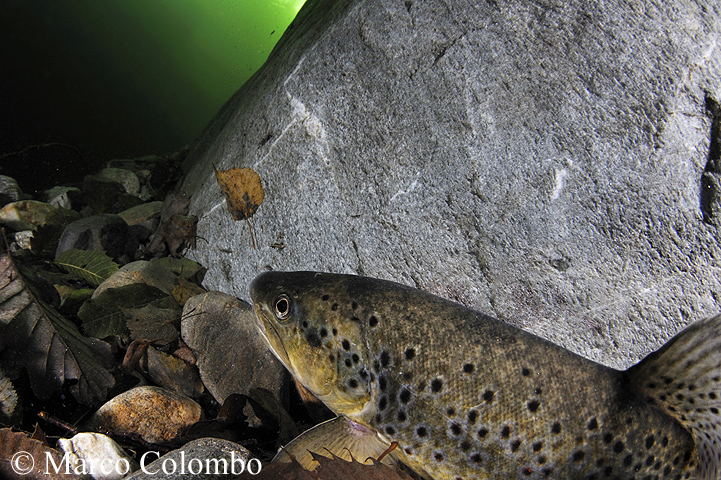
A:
271, 336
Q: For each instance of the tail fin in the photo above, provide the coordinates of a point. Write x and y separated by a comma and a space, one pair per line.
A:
683, 378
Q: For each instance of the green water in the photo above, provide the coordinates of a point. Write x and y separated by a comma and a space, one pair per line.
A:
190, 56
123, 78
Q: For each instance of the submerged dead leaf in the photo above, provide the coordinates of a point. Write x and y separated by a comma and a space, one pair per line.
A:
243, 193
33, 335
24, 458
330, 469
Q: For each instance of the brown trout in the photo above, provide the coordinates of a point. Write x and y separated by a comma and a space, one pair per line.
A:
466, 396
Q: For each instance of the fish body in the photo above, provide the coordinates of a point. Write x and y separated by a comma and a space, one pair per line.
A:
466, 396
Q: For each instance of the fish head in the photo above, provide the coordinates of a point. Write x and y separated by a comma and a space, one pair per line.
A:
309, 333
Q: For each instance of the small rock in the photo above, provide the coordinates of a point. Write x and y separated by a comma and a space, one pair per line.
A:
140, 271
30, 214
99, 232
198, 459
174, 374
23, 239
146, 214
98, 456
156, 414
62, 196
9, 190
231, 355
126, 178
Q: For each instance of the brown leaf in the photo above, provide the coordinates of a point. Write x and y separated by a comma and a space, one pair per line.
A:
243, 193
24, 458
33, 335
329, 469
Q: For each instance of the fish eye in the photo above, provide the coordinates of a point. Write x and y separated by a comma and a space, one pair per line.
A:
282, 307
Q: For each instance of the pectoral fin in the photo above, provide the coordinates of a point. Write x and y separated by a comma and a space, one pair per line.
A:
341, 437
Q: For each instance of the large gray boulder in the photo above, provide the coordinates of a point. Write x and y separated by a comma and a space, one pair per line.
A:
538, 161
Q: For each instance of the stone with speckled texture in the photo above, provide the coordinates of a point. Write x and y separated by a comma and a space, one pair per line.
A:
538, 161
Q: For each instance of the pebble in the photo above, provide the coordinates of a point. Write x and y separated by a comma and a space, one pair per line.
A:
62, 196
231, 355
98, 456
156, 414
146, 214
197, 459
99, 232
174, 374
9, 190
127, 179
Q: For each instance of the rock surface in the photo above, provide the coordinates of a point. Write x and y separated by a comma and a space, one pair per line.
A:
540, 162
231, 356
197, 459
155, 414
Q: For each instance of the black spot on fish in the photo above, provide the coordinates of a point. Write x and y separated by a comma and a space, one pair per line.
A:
628, 460
334, 307
537, 446
438, 457
331, 357
407, 376
618, 447
376, 366
354, 305
385, 358
687, 456
401, 416
456, 429
348, 363
476, 458
436, 385
335, 331
325, 297
482, 432
422, 432
390, 430
579, 455
515, 445
712, 395
421, 385
405, 396
363, 374
556, 428
629, 421
305, 323
354, 319
547, 472
527, 471
488, 395
525, 372
465, 446
355, 358
313, 339
472, 416
650, 440
382, 383
592, 424
664, 442
410, 353
323, 332
607, 438
468, 368
353, 383
533, 406
346, 345
541, 460
373, 321
450, 411
505, 431
382, 403
649, 460
408, 450
609, 470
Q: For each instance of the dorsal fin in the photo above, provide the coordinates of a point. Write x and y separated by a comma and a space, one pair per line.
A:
683, 378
